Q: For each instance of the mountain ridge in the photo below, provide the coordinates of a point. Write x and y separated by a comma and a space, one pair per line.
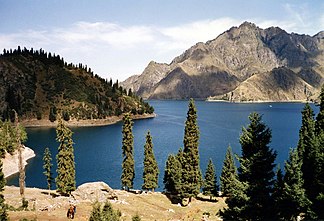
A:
219, 66
39, 85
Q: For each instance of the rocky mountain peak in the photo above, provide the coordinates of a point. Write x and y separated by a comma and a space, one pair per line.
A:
242, 54
319, 35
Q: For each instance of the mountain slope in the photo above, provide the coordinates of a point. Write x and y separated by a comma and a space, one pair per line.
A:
219, 66
39, 85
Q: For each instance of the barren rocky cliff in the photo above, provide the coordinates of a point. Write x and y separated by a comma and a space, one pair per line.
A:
245, 63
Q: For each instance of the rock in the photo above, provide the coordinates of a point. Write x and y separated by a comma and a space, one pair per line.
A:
220, 66
10, 162
95, 191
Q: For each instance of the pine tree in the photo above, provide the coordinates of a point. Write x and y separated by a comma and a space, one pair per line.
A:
96, 212
316, 193
109, 214
3, 211
21, 167
237, 202
256, 168
172, 175
307, 148
65, 180
319, 126
151, 169
229, 173
210, 181
191, 173
128, 170
104, 213
306, 132
294, 198
47, 166
278, 194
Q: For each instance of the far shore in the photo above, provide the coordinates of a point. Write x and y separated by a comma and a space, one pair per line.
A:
83, 123
259, 101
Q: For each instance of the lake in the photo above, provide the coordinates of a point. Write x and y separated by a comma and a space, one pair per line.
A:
98, 154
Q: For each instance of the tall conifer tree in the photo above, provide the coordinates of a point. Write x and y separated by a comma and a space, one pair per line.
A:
128, 170
151, 169
319, 126
172, 175
210, 182
47, 166
278, 195
256, 168
65, 180
3, 211
19, 147
294, 200
307, 148
191, 173
317, 154
229, 173
237, 202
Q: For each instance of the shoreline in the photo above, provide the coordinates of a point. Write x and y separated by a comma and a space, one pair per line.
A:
10, 162
260, 102
34, 123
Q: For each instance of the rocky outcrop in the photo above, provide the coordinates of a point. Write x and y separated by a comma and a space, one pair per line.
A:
10, 162
142, 84
94, 192
234, 61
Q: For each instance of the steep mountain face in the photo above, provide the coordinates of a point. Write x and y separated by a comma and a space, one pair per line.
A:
38, 85
236, 59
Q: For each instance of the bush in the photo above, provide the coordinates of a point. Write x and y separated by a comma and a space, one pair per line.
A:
136, 218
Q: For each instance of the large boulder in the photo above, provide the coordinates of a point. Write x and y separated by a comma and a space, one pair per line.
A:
96, 191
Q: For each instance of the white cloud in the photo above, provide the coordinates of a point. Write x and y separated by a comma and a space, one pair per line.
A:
117, 51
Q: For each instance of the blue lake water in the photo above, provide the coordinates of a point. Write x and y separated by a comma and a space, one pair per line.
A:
98, 153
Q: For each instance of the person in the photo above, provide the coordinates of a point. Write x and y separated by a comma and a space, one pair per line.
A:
70, 212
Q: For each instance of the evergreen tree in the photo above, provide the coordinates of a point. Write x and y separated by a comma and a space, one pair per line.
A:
151, 169
3, 211
65, 180
306, 132
237, 202
256, 168
172, 175
104, 213
307, 148
109, 214
229, 173
96, 212
210, 181
294, 200
47, 166
191, 173
21, 167
319, 126
278, 194
316, 193
128, 170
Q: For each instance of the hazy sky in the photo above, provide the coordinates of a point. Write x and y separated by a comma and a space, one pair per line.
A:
119, 38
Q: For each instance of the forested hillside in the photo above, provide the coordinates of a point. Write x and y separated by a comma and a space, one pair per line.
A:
39, 85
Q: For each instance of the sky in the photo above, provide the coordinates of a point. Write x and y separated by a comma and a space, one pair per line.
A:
118, 38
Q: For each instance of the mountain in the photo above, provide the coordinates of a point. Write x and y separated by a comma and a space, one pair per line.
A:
245, 63
38, 85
